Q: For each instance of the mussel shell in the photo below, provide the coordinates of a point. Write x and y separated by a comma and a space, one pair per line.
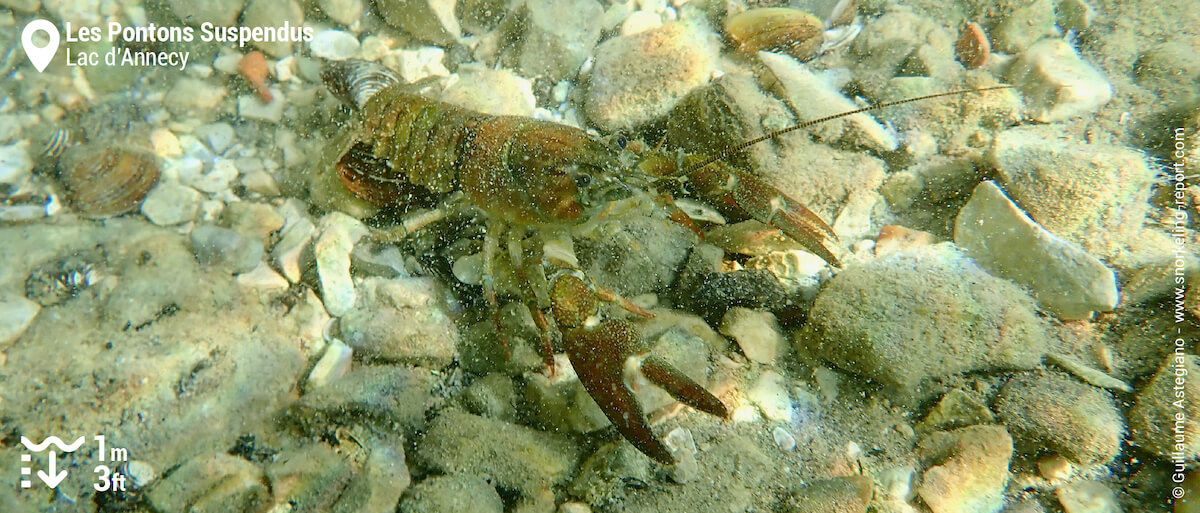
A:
780, 29
106, 181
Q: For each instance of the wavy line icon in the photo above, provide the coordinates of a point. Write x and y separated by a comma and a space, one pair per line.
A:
52, 440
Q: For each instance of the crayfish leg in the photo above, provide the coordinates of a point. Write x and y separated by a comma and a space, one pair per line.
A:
491, 248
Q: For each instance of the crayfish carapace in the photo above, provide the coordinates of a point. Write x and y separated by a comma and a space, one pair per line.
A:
529, 175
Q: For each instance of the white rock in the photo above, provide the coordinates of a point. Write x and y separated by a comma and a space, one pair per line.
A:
1057, 83
251, 107
193, 95
170, 203
338, 233
334, 363
15, 164
783, 438
756, 332
286, 253
140, 473
345, 12
770, 394
640, 21
1002, 239
496, 92
814, 97
334, 45
683, 448
1087, 497
414, 65
16, 314
217, 179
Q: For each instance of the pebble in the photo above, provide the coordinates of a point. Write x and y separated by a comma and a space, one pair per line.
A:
414, 65
1003, 240
337, 234
640, 21
663, 248
954, 410
171, 203
16, 315
560, 402
402, 320
15, 165
309, 478
217, 179
218, 136
1057, 83
1153, 417
968, 469
263, 278
558, 35
1087, 497
815, 97
683, 448
863, 322
832, 495
273, 13
627, 88
214, 245
1057, 413
192, 96
454, 493
346, 12
783, 438
261, 182
1088, 373
511, 456
140, 473
1023, 26
218, 12
334, 364
1094, 195
756, 332
1074, 15
334, 45
165, 144
1054, 467
770, 394
251, 107
255, 220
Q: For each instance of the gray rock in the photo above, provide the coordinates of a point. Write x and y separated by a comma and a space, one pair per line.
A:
603, 476
1002, 239
218, 12
557, 36
636, 255
273, 13
402, 320
25, 6
455, 493
967, 469
214, 483
214, 245
1090, 194
509, 455
381, 480
954, 410
1152, 419
627, 87
387, 397
337, 235
251, 107
171, 203
16, 314
1055, 412
218, 136
491, 396
1022, 26
345, 12
560, 404
1057, 83
927, 313
428, 20
258, 221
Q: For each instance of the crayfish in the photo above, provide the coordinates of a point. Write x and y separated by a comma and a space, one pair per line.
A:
527, 175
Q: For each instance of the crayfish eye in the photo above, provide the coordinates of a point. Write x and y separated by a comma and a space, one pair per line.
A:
583, 180
621, 141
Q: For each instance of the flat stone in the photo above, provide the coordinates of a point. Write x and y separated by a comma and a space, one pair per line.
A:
1153, 417
968, 469
756, 332
214, 245
334, 45
389, 397
15, 164
1001, 238
251, 107
1051, 411
558, 35
402, 320
338, 233
455, 493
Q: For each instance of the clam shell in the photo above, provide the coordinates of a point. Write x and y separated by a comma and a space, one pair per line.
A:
779, 29
106, 181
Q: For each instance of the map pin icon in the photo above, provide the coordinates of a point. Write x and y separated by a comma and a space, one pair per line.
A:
40, 57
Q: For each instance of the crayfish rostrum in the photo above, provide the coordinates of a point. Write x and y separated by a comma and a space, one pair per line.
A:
533, 181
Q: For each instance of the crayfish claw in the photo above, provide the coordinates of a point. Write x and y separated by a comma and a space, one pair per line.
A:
681, 387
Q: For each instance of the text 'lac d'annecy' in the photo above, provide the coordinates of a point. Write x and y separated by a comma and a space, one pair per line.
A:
133, 46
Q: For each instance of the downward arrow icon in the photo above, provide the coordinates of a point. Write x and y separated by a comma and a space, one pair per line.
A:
51, 479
